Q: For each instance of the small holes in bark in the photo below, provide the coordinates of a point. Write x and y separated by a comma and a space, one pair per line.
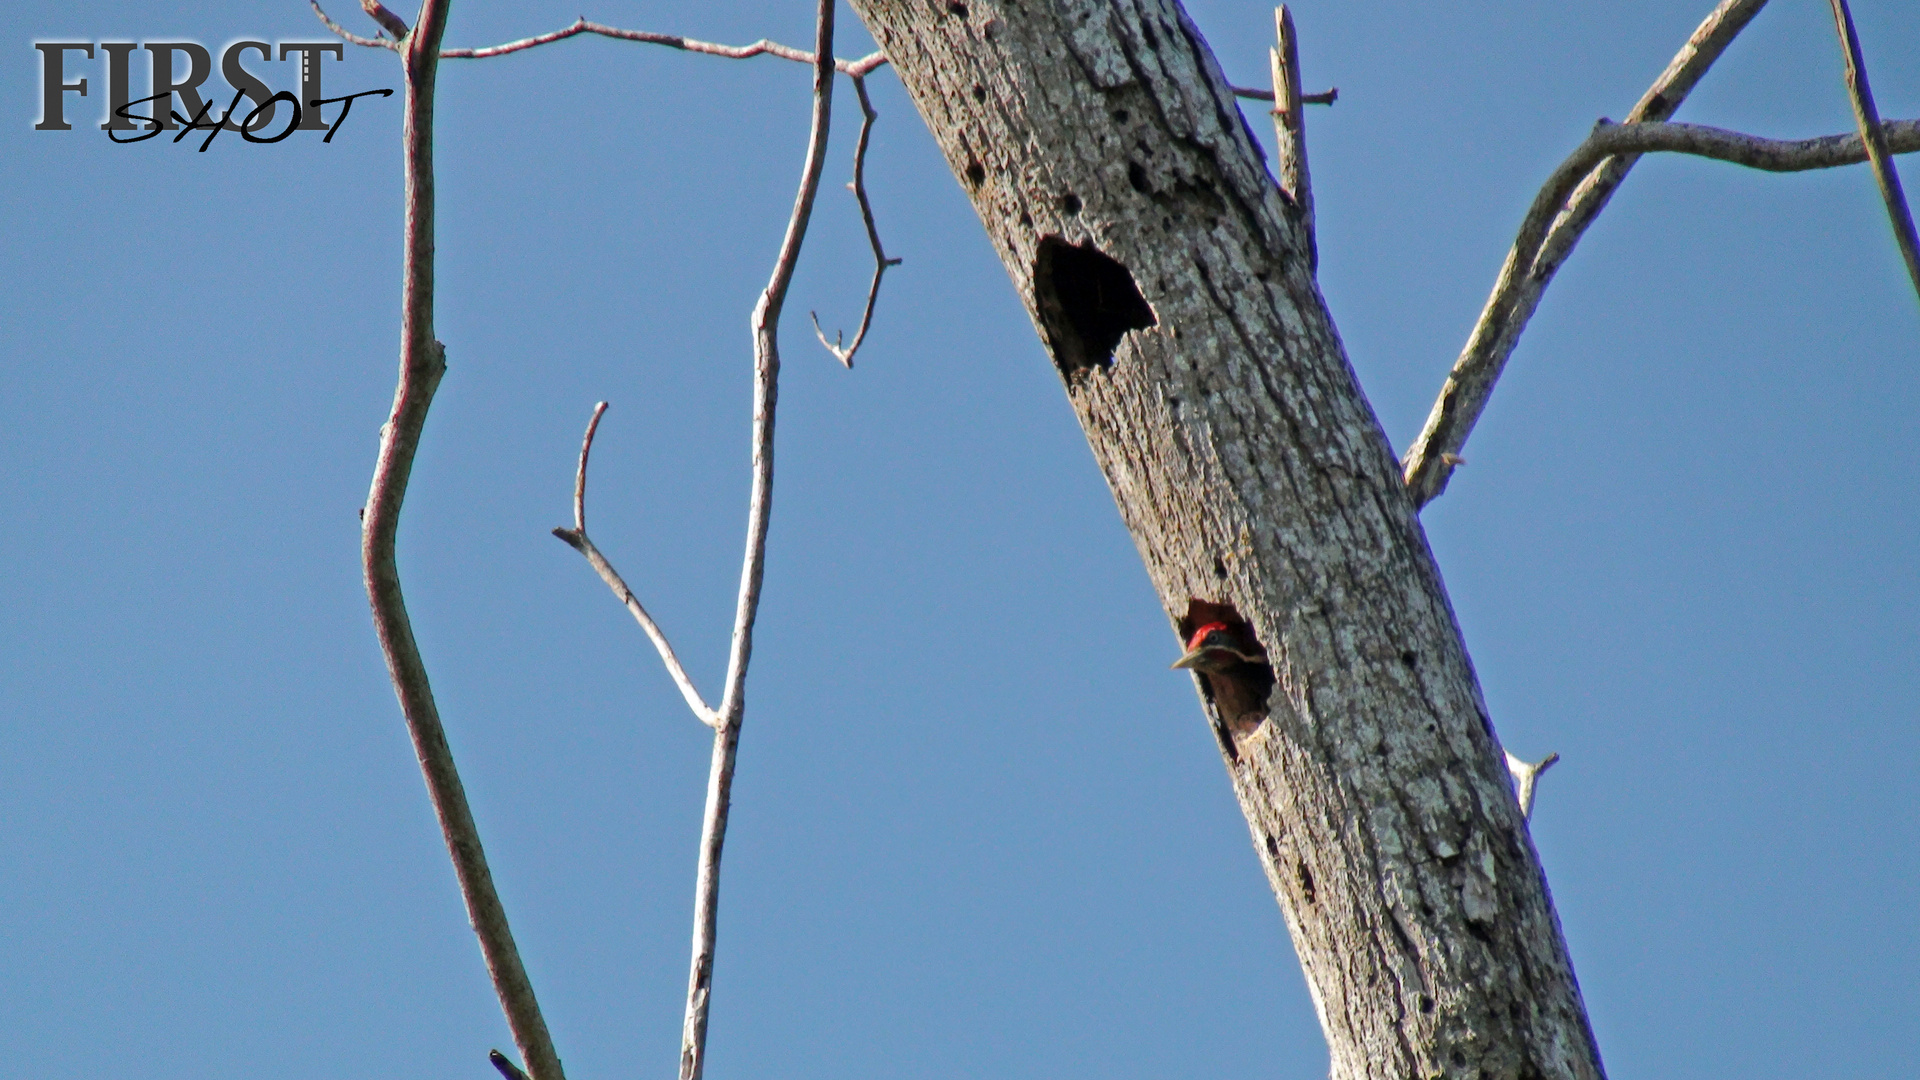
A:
976, 174
1087, 303
1305, 877
1146, 31
979, 93
1426, 1003
1219, 569
1026, 220
1137, 178
957, 9
1239, 688
1273, 847
1410, 658
1070, 204
1121, 116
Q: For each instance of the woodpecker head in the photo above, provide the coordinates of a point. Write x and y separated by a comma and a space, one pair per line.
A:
1216, 647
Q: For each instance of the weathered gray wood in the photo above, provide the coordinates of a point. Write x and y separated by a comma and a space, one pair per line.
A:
1258, 486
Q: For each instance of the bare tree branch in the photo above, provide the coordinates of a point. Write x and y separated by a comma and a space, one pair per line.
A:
1753, 151
766, 386
388, 21
577, 538
347, 35
422, 363
1868, 117
1517, 291
880, 260
857, 68
1326, 97
1468, 389
1290, 124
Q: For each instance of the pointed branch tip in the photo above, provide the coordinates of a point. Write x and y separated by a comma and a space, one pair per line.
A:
505, 1065
388, 21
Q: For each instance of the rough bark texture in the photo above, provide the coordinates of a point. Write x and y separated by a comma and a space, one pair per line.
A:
1169, 279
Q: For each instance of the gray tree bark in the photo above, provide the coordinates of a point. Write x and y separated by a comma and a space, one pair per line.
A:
1171, 283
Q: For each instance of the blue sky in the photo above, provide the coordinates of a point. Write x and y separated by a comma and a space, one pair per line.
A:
980, 829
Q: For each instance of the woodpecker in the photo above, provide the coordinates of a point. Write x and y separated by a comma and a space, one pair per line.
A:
1215, 648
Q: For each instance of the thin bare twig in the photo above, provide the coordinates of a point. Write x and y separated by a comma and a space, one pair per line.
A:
1752, 151
1525, 776
422, 363
1868, 117
857, 68
880, 260
580, 474
1254, 93
1517, 290
577, 538
1290, 124
347, 35
766, 392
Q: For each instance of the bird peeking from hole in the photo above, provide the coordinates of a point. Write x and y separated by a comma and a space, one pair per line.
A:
1236, 673
1215, 649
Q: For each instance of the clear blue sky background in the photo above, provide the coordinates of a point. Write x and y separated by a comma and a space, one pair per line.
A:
980, 828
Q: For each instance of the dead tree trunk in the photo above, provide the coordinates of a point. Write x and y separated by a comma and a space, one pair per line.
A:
1170, 282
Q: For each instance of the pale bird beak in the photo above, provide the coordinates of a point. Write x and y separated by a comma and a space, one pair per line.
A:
1190, 660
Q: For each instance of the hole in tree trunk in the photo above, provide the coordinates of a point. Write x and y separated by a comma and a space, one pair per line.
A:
1087, 303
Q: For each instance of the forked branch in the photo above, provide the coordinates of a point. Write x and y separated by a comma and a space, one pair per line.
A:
726, 719
1570, 201
1516, 293
1465, 395
766, 389
1525, 776
578, 539
880, 260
